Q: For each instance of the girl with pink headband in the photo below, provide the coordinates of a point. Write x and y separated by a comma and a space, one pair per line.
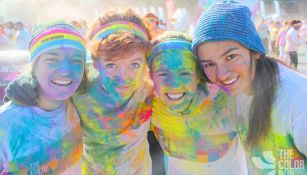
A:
46, 138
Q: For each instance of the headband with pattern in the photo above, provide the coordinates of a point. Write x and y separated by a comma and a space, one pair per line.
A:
56, 36
105, 30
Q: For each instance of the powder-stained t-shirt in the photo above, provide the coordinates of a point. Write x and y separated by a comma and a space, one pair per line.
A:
34, 141
115, 135
285, 149
203, 140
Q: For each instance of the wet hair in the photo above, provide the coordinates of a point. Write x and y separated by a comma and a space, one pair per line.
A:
264, 87
120, 41
169, 36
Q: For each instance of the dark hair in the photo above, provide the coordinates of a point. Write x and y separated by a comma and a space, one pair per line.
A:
168, 36
264, 87
293, 22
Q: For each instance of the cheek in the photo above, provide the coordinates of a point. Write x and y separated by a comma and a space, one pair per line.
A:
211, 74
244, 69
77, 71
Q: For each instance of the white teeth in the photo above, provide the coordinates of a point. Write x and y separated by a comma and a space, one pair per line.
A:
175, 96
62, 82
231, 81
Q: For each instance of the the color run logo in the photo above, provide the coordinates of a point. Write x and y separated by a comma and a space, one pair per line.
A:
36, 169
286, 164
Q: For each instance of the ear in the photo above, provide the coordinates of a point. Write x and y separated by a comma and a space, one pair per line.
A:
257, 55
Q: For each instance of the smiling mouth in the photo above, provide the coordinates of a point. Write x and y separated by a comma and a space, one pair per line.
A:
175, 96
230, 81
59, 82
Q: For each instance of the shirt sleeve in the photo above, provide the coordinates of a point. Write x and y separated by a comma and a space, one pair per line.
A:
3, 156
299, 123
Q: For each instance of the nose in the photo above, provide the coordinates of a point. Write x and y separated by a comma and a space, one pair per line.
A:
123, 76
64, 67
223, 72
173, 82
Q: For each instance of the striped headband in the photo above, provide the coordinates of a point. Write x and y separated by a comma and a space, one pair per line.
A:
104, 31
173, 44
56, 36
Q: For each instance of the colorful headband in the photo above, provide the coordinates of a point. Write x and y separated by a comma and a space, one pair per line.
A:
173, 44
56, 36
105, 30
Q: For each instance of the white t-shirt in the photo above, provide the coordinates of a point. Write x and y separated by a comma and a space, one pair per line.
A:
34, 141
293, 41
287, 141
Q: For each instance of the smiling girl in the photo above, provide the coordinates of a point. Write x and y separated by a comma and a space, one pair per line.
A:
46, 138
195, 129
115, 111
271, 96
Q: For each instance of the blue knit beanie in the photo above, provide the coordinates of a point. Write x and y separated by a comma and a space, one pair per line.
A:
227, 21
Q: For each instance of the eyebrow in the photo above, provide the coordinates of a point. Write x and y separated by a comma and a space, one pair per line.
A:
162, 70
223, 54
168, 70
53, 53
137, 59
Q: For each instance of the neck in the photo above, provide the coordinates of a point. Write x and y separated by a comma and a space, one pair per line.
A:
47, 103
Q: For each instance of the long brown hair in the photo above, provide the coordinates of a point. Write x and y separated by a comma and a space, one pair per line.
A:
264, 88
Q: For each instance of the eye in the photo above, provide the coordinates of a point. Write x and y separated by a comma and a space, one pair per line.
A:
185, 73
76, 61
51, 60
135, 65
110, 66
207, 65
163, 74
231, 56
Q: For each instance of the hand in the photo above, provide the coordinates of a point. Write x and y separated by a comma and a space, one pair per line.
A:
22, 91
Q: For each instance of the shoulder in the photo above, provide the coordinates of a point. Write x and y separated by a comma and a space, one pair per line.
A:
9, 111
291, 81
11, 116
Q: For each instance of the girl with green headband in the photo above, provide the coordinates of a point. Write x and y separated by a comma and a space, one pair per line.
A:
194, 127
115, 110
271, 97
46, 138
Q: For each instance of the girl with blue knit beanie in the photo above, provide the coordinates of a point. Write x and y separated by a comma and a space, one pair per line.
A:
271, 97
194, 127
46, 138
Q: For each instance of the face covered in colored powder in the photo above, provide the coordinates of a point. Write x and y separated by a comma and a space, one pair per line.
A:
123, 74
175, 78
59, 72
228, 65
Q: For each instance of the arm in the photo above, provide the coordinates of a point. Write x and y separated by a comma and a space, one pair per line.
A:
22, 91
3, 156
299, 123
